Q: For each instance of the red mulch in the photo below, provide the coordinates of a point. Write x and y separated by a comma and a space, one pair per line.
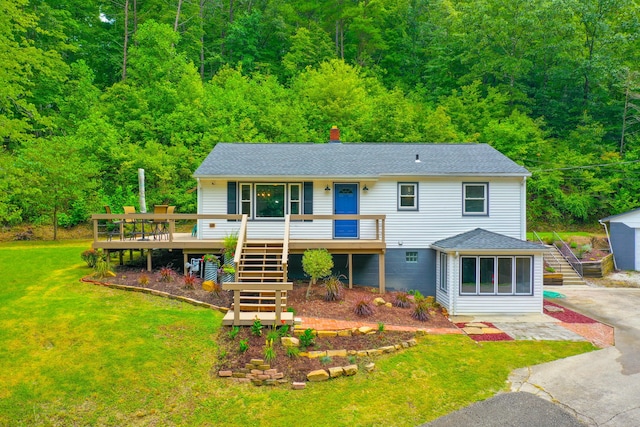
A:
567, 316
487, 337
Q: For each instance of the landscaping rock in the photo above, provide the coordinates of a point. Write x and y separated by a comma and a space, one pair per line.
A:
374, 352
388, 304
369, 367
225, 373
553, 309
365, 330
379, 301
344, 333
327, 333
318, 375
316, 354
412, 342
256, 361
472, 330
290, 342
337, 353
388, 349
336, 372
298, 385
421, 332
350, 370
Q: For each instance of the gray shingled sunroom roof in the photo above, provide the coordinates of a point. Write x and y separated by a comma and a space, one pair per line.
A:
355, 160
480, 239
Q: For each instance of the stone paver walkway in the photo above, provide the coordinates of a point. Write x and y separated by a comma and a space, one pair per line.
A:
538, 331
322, 324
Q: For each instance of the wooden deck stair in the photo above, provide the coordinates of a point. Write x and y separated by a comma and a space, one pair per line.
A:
259, 269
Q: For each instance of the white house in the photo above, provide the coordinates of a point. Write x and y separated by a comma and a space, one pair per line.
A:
448, 220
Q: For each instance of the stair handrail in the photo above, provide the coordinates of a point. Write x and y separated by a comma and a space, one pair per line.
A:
242, 237
285, 246
553, 255
568, 254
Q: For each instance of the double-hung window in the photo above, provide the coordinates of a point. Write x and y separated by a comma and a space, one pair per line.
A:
408, 196
475, 198
496, 275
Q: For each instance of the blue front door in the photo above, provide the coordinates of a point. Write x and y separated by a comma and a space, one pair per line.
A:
345, 202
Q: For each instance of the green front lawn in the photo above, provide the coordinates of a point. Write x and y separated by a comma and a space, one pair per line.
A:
73, 353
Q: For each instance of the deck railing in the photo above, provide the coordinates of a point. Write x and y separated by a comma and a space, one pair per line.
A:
551, 254
121, 222
379, 220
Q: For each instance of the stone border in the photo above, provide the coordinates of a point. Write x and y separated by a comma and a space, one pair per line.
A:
191, 301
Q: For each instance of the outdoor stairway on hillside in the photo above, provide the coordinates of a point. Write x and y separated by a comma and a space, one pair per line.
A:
259, 270
553, 258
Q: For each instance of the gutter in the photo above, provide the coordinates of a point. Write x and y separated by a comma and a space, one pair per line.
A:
615, 265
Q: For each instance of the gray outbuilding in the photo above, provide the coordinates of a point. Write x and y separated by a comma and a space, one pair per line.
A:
624, 237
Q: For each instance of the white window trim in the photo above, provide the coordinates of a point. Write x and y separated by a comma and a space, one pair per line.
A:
495, 278
415, 196
290, 197
444, 279
485, 199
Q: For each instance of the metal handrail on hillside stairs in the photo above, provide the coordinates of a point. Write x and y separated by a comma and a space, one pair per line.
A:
551, 253
568, 254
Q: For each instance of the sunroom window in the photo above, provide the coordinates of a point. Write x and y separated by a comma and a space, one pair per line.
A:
497, 275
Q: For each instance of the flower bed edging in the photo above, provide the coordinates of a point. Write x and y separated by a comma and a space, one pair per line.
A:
155, 292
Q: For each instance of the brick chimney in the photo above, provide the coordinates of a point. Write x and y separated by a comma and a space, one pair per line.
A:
334, 135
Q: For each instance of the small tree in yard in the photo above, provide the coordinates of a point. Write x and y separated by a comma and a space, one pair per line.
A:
316, 263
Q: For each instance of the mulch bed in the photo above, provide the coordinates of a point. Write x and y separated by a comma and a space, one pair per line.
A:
566, 315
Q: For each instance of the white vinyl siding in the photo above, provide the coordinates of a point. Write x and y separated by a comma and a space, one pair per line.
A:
439, 215
496, 304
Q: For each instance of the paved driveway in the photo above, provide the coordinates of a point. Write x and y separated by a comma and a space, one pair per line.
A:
600, 388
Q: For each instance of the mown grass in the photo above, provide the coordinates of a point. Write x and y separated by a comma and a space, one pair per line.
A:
77, 354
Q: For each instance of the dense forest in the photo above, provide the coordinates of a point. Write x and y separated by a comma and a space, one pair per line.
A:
92, 90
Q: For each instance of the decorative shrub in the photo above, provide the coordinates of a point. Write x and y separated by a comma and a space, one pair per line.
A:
363, 308
380, 326
189, 281
102, 269
243, 346
325, 360
421, 311
143, 279
166, 274
233, 332
333, 288
292, 352
316, 263
401, 300
91, 257
307, 338
283, 331
229, 243
256, 328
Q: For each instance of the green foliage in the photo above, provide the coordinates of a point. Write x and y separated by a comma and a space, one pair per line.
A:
380, 326
233, 332
269, 351
283, 331
243, 345
325, 360
102, 269
256, 327
307, 338
316, 263
229, 243
292, 352
273, 335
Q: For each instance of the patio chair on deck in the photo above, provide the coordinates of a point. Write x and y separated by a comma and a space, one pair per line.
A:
160, 225
134, 223
112, 227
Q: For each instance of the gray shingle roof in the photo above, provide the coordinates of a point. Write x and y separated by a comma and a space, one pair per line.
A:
361, 160
480, 239
631, 212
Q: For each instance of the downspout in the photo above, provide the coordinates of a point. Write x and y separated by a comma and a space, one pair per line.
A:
523, 209
609, 242
199, 204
